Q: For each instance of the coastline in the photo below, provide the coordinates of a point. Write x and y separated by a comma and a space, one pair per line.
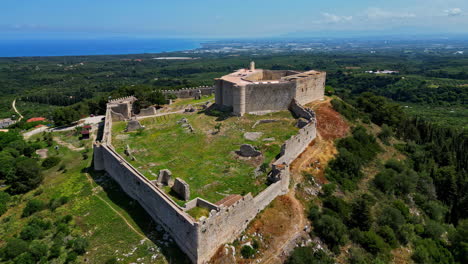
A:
22, 48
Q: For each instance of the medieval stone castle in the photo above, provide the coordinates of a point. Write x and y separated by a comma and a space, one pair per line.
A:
246, 91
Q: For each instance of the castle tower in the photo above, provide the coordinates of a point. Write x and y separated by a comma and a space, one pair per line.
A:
252, 66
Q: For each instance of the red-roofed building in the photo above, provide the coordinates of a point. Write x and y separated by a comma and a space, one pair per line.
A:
36, 119
84, 134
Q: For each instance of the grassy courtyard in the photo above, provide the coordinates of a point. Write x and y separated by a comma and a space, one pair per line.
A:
206, 158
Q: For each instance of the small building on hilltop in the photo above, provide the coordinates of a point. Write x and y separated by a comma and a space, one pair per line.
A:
258, 91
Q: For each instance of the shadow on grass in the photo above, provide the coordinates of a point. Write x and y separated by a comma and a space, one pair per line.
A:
150, 228
222, 113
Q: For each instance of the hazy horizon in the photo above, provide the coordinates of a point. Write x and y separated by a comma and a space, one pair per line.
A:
53, 19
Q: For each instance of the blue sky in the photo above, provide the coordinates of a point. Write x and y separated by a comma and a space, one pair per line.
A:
218, 18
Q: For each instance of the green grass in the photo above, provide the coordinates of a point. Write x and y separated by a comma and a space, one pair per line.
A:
107, 233
206, 161
188, 101
198, 212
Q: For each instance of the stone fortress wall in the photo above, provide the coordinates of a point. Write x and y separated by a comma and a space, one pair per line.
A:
258, 91
190, 92
226, 221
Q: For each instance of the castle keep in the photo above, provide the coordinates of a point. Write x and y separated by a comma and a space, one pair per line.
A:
247, 91
257, 91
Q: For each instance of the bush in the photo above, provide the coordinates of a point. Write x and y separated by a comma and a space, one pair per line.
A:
428, 251
385, 134
361, 215
314, 213
247, 252
372, 242
38, 250
33, 206
328, 189
388, 235
54, 203
307, 255
31, 232
338, 205
392, 217
433, 230
332, 231
79, 245
14, 247
4, 199
51, 162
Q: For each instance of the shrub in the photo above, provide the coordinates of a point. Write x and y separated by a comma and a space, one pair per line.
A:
38, 250
51, 162
328, 189
247, 252
372, 242
307, 255
33, 206
388, 235
385, 181
31, 232
54, 203
25, 258
332, 231
392, 217
361, 215
79, 245
4, 199
314, 213
385, 134
338, 205
429, 251
433, 230
14, 247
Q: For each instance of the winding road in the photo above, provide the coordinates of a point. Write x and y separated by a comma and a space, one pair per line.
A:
13, 104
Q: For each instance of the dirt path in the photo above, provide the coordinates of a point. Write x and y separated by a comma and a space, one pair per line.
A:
90, 180
68, 145
13, 104
299, 221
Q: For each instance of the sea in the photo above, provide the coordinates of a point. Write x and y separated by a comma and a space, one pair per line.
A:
75, 47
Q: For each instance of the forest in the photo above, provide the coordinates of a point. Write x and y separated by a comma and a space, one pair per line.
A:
83, 83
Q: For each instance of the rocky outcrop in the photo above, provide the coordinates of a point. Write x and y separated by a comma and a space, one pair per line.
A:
253, 135
133, 125
247, 150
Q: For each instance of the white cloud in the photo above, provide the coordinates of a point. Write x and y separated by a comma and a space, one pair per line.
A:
331, 18
378, 13
453, 11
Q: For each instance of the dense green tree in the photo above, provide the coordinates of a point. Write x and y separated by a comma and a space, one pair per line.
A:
4, 199
430, 251
33, 206
27, 176
332, 231
307, 255
13, 248
459, 240
392, 217
361, 216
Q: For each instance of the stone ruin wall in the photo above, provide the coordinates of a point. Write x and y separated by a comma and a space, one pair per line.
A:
310, 88
199, 240
190, 92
